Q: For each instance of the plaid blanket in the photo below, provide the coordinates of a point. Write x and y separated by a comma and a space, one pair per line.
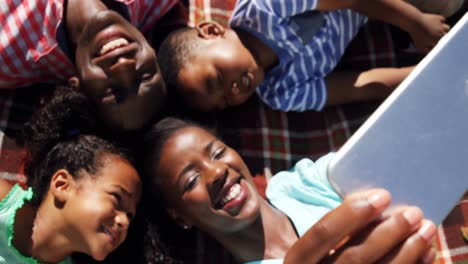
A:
265, 138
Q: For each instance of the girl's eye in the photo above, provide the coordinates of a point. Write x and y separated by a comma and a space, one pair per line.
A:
219, 153
191, 183
117, 197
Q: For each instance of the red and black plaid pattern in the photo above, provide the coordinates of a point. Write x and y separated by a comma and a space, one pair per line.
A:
29, 50
452, 242
277, 140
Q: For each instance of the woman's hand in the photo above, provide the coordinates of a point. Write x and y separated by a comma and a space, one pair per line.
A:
428, 30
358, 232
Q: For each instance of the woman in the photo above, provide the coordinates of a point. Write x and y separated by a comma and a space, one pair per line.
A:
206, 184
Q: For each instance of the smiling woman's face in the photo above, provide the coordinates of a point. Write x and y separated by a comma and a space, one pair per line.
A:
206, 183
118, 71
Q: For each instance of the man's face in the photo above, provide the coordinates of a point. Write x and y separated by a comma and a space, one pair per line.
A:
118, 71
224, 74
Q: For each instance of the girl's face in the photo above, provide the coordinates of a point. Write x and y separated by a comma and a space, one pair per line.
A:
101, 207
206, 183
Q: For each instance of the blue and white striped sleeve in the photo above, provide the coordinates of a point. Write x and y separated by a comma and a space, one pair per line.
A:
298, 97
282, 8
292, 7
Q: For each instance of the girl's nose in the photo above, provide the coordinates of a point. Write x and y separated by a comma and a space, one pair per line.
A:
122, 220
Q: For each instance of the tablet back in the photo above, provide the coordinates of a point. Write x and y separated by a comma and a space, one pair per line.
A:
416, 143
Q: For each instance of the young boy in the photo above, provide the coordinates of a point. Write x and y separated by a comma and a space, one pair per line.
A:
96, 45
287, 53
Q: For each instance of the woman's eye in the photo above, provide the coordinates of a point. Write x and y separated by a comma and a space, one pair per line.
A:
191, 183
219, 153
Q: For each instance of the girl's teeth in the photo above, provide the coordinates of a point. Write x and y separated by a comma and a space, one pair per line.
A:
232, 193
113, 44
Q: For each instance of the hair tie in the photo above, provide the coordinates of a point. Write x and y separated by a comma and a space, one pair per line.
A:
72, 133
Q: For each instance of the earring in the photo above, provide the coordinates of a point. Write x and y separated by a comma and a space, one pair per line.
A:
186, 227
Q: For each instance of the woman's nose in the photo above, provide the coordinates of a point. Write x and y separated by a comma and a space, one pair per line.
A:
217, 173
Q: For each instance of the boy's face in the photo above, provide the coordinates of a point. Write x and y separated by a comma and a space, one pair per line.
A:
223, 74
118, 70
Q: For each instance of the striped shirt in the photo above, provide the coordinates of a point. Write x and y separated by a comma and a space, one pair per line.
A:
308, 43
29, 51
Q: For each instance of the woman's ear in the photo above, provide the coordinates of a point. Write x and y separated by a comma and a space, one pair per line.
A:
61, 184
74, 83
179, 219
210, 29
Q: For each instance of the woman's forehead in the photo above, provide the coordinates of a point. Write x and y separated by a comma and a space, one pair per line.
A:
183, 146
192, 137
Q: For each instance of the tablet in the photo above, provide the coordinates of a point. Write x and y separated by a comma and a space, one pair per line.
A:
416, 143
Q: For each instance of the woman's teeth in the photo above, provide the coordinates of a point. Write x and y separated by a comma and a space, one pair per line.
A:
233, 192
112, 45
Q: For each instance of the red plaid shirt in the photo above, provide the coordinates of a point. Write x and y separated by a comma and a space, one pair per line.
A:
29, 51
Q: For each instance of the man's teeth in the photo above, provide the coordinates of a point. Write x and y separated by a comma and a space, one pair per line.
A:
113, 44
232, 193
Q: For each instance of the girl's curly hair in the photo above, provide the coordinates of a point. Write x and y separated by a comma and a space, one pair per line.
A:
62, 134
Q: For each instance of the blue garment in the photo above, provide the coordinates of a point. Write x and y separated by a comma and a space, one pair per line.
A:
303, 194
308, 43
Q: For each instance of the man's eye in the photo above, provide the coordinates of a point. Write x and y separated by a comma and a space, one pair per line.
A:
146, 77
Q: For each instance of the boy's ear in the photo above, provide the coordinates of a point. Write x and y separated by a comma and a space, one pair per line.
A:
61, 185
179, 219
210, 29
74, 83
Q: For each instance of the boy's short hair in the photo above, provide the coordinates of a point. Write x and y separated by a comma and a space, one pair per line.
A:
176, 51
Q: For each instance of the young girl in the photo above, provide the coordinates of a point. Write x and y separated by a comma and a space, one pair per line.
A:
83, 194
206, 184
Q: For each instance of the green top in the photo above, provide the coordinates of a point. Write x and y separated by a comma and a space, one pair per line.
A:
8, 207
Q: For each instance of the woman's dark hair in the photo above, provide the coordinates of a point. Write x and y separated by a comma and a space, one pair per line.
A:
62, 134
149, 156
153, 142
